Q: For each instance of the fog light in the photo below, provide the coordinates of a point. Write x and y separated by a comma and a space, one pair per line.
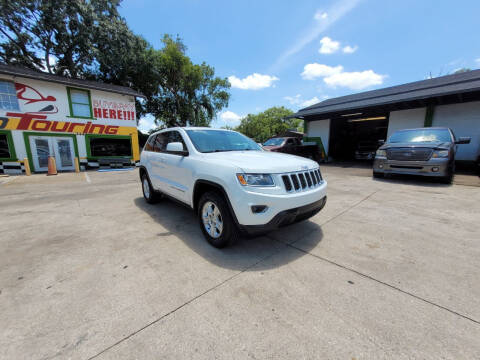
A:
380, 166
434, 169
257, 209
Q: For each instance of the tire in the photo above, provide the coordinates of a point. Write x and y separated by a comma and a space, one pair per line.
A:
377, 175
216, 221
149, 194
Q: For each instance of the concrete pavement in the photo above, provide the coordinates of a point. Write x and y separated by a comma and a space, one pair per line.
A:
389, 269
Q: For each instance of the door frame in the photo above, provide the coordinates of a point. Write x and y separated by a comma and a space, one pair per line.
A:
26, 135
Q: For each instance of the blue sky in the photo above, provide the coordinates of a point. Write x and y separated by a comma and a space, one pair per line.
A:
294, 53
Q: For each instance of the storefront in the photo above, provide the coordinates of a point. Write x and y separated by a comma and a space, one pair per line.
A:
44, 115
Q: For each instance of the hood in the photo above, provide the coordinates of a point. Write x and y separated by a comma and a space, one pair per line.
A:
430, 145
262, 161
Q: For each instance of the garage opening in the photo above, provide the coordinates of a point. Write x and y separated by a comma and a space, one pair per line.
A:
356, 138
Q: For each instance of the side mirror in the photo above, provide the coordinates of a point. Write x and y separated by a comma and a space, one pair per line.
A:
463, 140
381, 142
176, 148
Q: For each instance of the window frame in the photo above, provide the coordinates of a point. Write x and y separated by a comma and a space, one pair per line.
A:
11, 146
70, 103
92, 136
15, 93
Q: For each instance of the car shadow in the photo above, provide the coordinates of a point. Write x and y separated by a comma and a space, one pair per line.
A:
246, 254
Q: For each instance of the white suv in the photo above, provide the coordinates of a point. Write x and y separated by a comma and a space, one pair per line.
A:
231, 182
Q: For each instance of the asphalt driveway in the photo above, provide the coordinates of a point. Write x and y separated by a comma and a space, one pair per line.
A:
389, 269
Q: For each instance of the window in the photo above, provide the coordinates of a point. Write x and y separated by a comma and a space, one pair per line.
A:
110, 146
7, 151
8, 96
80, 105
207, 141
160, 142
149, 143
4, 149
421, 135
174, 136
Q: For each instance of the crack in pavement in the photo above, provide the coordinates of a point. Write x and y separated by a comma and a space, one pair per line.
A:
185, 304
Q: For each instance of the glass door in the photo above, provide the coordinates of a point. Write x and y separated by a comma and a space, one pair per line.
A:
59, 147
40, 152
64, 154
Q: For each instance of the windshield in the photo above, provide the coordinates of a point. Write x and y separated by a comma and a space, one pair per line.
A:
274, 142
421, 135
219, 140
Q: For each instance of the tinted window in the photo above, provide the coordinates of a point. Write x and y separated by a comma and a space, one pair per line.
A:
274, 142
4, 150
220, 140
174, 136
420, 135
290, 142
160, 142
149, 143
110, 146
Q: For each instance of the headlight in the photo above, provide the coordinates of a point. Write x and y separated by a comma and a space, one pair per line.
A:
381, 153
255, 179
440, 153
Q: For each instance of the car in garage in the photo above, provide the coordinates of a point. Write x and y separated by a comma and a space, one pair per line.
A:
422, 151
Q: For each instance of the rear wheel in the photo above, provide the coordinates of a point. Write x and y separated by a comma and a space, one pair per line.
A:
216, 220
151, 196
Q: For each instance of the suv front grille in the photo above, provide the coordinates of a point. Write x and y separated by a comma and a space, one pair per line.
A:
409, 154
302, 180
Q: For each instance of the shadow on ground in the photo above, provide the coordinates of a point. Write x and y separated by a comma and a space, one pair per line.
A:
181, 222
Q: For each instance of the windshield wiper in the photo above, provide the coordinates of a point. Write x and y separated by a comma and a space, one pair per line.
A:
212, 151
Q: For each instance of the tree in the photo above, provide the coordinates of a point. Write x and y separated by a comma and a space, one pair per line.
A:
187, 93
268, 123
88, 39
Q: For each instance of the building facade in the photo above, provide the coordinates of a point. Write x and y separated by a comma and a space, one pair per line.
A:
346, 124
44, 115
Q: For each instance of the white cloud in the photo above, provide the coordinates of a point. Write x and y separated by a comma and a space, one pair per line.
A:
477, 61
337, 11
294, 100
334, 76
310, 102
230, 118
252, 82
315, 70
146, 123
328, 46
319, 15
349, 49
356, 80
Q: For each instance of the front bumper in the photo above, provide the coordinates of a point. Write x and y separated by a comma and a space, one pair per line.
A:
242, 202
286, 217
432, 167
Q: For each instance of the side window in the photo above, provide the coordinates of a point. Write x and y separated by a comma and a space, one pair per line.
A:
149, 143
290, 142
160, 143
174, 136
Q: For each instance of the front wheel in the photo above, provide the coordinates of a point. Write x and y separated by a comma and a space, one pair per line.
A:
150, 195
216, 220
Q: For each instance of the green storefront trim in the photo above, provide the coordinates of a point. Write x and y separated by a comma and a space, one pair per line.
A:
11, 146
29, 150
429, 116
89, 150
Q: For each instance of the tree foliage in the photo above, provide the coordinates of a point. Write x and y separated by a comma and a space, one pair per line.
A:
188, 93
88, 39
268, 123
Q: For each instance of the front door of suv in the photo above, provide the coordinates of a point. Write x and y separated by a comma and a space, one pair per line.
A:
177, 173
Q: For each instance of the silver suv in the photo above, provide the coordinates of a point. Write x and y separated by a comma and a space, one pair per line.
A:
423, 151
